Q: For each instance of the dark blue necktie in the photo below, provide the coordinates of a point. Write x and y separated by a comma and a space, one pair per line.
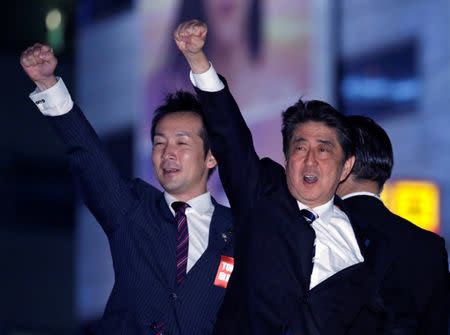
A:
308, 215
182, 239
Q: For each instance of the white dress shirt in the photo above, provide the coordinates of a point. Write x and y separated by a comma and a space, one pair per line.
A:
335, 243
198, 216
354, 194
57, 101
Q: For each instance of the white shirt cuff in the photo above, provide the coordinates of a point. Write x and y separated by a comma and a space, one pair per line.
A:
54, 101
207, 81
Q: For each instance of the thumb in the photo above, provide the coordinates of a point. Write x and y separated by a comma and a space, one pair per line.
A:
46, 56
46, 53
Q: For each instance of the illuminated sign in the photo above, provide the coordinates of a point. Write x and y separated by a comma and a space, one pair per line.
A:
415, 200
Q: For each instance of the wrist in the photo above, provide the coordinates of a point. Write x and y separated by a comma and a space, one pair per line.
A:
199, 63
46, 83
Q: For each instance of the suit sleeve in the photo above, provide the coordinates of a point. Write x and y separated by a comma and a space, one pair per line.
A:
105, 193
232, 145
436, 318
421, 309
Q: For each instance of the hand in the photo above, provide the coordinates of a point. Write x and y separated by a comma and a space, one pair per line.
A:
39, 64
190, 37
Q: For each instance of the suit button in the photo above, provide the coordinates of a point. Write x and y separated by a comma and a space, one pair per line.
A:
173, 296
153, 325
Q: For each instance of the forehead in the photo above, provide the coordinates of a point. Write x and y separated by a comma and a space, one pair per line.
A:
315, 131
179, 122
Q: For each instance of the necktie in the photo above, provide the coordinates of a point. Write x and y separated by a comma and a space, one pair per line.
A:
182, 239
308, 215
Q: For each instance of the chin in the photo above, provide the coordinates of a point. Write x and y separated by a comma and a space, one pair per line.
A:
169, 188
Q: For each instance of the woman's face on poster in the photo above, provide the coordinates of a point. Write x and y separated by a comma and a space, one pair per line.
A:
227, 19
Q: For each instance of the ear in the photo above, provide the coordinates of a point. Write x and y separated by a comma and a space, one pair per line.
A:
210, 160
348, 165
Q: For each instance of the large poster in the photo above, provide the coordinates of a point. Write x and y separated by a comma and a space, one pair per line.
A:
261, 47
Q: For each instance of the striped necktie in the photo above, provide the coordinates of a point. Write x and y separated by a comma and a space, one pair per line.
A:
308, 215
182, 239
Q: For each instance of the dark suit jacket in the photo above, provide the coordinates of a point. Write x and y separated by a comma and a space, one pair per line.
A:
142, 238
413, 290
269, 289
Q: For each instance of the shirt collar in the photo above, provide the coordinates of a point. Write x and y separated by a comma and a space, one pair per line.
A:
202, 204
324, 211
354, 194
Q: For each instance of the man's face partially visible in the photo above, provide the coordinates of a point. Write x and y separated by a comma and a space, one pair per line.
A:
315, 163
178, 157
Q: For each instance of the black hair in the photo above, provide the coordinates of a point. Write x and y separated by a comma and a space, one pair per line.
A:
181, 102
373, 150
316, 111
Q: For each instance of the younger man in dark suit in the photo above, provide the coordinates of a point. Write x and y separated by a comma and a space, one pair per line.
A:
172, 251
414, 290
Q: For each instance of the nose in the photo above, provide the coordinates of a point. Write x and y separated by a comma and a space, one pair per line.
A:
310, 158
168, 152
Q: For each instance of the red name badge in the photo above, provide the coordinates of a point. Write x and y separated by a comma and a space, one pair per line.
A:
224, 271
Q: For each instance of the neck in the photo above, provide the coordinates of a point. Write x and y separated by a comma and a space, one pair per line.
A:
352, 185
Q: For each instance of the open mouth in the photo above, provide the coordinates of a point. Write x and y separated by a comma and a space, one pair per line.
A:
170, 171
310, 179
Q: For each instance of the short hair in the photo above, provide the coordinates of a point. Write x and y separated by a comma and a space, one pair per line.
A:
374, 156
315, 111
181, 102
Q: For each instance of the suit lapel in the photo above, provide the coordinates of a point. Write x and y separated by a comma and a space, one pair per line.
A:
358, 228
377, 247
221, 224
303, 240
164, 210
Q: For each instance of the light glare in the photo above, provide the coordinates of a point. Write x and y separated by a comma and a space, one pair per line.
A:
53, 19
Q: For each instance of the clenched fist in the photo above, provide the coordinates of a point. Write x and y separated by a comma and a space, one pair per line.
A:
39, 63
190, 38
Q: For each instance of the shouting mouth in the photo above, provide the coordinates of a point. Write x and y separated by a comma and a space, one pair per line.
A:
310, 179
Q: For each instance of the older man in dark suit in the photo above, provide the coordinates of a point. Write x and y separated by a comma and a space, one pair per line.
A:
172, 250
300, 265
414, 292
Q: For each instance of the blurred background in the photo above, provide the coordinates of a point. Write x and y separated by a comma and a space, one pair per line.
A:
386, 59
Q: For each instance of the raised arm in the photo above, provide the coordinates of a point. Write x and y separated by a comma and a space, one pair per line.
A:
105, 193
240, 169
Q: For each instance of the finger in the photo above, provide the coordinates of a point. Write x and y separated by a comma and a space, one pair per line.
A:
188, 28
26, 53
36, 52
46, 55
184, 30
46, 48
29, 61
176, 34
181, 31
24, 61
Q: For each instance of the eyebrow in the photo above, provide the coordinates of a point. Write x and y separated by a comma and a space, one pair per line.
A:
177, 134
298, 139
325, 142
